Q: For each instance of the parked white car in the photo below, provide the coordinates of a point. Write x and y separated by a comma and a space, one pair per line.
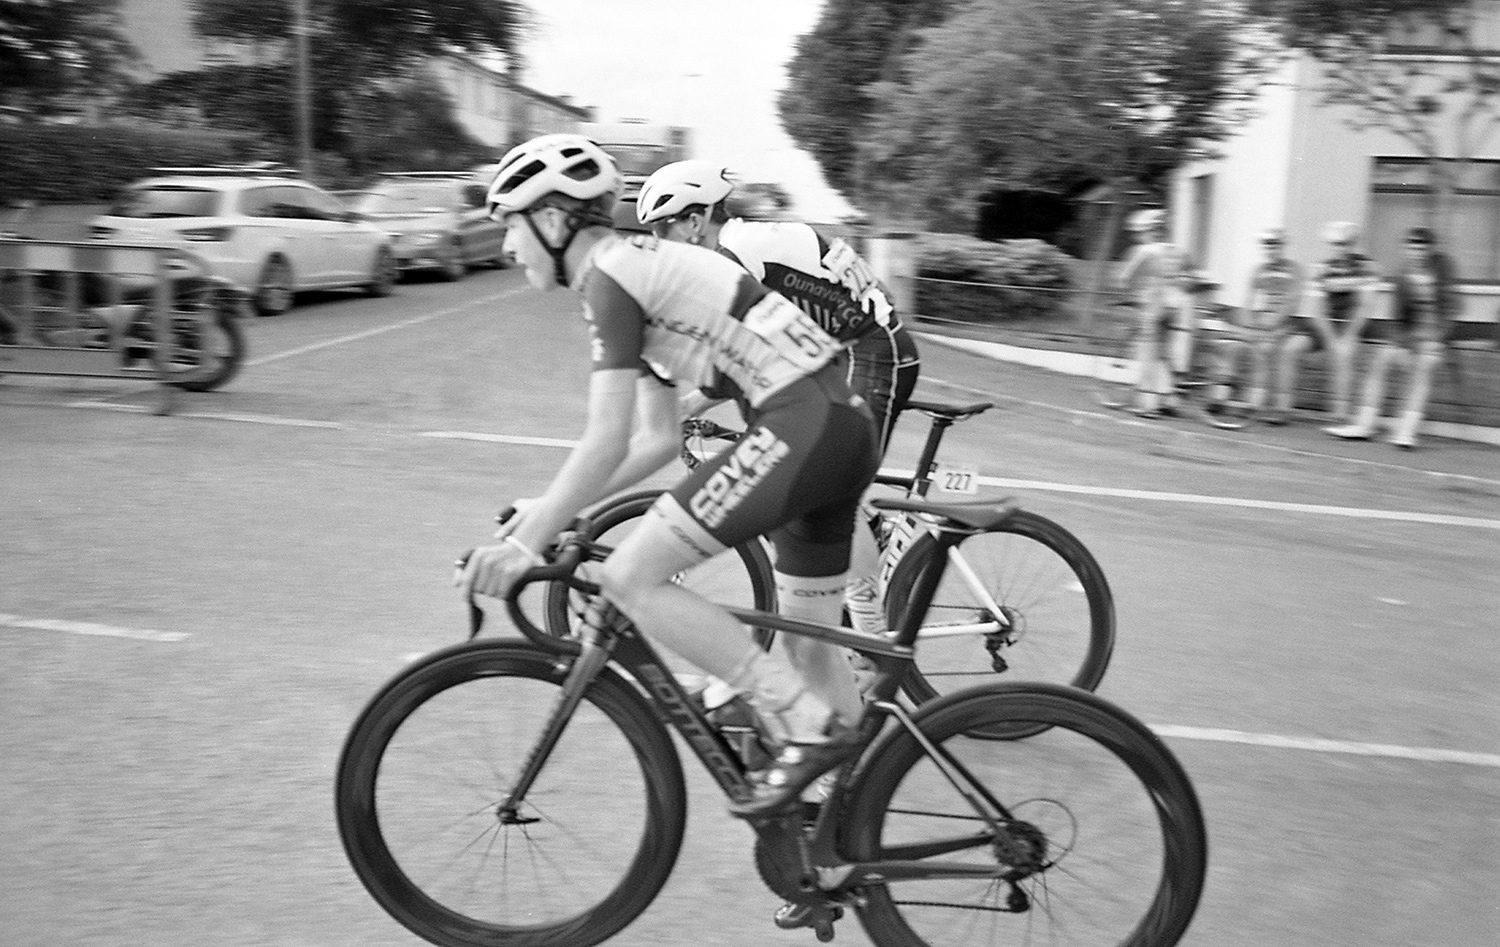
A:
264, 229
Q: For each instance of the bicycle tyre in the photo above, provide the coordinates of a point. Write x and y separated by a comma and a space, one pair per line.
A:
563, 605
383, 765
1119, 849
1045, 580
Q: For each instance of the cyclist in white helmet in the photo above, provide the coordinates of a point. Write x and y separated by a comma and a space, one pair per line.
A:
662, 314
686, 202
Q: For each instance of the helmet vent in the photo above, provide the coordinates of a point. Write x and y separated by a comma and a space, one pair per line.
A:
584, 170
521, 176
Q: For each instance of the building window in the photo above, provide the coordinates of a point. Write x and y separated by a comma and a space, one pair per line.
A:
1401, 195
1202, 219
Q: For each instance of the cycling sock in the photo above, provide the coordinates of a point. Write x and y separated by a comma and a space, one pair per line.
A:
862, 599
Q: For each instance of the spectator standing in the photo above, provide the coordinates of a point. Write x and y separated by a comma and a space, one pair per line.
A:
1423, 305
1155, 274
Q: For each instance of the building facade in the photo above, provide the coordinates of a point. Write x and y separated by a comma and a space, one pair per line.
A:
1299, 163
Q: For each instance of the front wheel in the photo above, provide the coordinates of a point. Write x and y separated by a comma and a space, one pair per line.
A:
740, 576
1100, 838
1050, 593
209, 344
429, 761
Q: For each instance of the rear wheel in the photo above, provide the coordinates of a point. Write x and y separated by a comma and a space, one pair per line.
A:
431, 758
452, 265
1093, 830
209, 345
383, 273
275, 291
1050, 591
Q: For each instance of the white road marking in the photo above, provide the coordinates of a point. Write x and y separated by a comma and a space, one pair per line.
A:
1422, 754
89, 628
500, 438
1436, 519
381, 330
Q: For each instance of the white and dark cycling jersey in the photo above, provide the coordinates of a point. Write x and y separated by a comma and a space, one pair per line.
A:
691, 316
827, 278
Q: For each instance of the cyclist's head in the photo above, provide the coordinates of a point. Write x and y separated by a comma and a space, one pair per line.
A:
1274, 240
687, 192
559, 184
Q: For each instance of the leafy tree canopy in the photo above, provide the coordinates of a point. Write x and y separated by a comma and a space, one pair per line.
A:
1029, 94
1311, 25
387, 33
49, 47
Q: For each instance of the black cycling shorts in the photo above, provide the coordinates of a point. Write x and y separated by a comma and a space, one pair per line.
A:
795, 476
883, 369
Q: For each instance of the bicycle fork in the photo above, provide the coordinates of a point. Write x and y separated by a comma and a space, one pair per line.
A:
591, 660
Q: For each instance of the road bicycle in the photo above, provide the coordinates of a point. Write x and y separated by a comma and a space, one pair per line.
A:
1025, 599
1196, 393
528, 793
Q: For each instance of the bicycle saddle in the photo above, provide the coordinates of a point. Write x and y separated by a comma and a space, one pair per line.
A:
974, 514
953, 412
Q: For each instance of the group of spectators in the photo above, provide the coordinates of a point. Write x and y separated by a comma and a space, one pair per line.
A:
1289, 314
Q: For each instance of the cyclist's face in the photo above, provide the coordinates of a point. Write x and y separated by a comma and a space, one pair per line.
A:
522, 245
683, 228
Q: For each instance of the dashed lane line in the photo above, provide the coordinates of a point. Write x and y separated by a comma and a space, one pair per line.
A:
65, 626
381, 330
1422, 754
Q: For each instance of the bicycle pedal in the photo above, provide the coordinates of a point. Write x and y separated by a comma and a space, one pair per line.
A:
819, 917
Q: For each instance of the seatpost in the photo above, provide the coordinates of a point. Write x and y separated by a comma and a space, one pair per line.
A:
921, 479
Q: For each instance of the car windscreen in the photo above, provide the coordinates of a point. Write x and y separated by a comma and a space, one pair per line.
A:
413, 198
167, 200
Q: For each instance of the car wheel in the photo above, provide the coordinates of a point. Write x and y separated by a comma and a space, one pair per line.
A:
452, 256
383, 274
276, 289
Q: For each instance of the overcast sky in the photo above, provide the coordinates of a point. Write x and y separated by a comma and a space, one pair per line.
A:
713, 65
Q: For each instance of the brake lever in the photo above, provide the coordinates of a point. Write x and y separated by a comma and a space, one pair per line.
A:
476, 614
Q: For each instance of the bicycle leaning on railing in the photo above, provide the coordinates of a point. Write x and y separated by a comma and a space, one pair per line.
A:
1025, 599
515, 793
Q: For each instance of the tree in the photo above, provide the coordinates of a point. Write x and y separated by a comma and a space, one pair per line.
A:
1444, 106
1046, 96
53, 47
357, 44
827, 104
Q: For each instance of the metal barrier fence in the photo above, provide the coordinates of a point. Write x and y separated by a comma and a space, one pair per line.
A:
92, 310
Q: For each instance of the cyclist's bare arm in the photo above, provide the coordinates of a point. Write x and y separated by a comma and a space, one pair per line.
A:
583, 479
657, 438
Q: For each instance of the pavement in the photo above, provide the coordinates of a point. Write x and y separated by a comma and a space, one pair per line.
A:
1068, 381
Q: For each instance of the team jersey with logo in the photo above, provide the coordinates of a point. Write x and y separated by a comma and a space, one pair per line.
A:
827, 279
689, 315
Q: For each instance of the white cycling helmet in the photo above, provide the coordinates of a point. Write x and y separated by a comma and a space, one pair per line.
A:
553, 164
675, 187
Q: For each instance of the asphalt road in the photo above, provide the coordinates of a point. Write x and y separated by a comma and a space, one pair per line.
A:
193, 608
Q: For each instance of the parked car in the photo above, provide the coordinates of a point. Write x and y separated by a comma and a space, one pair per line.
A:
437, 220
260, 227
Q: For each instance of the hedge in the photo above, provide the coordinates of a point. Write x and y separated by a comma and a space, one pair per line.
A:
79, 164
972, 280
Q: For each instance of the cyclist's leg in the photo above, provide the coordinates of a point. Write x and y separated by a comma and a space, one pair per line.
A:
789, 463
883, 369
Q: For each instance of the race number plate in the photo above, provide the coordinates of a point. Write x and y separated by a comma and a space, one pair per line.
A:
952, 478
